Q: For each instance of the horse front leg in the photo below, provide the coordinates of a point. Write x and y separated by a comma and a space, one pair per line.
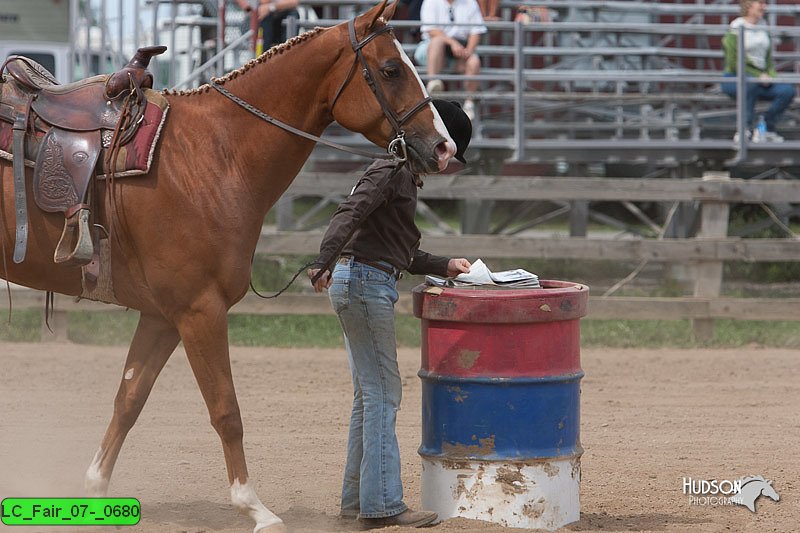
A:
153, 342
205, 337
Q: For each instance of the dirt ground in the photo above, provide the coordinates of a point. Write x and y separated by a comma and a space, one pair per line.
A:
649, 419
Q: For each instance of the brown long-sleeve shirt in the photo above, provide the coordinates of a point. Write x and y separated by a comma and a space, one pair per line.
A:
383, 212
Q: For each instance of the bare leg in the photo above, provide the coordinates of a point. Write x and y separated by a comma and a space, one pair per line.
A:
205, 336
472, 67
154, 341
436, 55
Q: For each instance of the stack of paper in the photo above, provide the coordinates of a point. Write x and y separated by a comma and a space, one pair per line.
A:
480, 275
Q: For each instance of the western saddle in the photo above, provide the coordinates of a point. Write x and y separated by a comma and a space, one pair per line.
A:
63, 129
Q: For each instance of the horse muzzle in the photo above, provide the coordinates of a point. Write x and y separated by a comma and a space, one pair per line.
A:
444, 151
433, 158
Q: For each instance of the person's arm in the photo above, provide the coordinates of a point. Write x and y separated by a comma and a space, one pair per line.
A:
472, 44
430, 24
729, 48
425, 263
268, 7
458, 49
367, 195
770, 70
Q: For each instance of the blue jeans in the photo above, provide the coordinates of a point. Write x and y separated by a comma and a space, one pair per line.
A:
363, 298
781, 95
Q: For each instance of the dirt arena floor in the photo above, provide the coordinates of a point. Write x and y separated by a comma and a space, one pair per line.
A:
649, 419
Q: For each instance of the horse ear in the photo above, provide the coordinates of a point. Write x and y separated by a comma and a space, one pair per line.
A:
389, 10
372, 16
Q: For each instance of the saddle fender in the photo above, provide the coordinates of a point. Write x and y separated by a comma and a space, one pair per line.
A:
64, 168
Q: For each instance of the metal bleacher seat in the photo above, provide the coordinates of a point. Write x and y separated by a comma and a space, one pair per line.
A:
610, 81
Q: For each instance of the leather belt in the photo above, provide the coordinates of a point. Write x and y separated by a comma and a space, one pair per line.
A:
392, 271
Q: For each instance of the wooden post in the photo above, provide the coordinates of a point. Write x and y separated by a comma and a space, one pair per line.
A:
708, 274
284, 213
476, 214
578, 218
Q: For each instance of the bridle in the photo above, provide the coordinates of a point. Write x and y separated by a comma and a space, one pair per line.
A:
396, 150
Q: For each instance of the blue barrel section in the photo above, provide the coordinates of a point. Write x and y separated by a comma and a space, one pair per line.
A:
516, 419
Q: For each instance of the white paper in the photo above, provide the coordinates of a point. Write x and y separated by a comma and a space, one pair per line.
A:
480, 275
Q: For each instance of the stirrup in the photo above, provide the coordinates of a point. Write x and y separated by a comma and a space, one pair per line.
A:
84, 250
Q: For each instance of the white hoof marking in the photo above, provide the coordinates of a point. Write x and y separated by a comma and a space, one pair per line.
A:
96, 486
245, 499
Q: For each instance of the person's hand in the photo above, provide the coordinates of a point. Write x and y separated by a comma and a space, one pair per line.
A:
458, 50
265, 8
457, 266
324, 280
766, 79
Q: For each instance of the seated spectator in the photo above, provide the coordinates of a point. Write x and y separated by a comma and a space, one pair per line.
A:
758, 64
271, 14
451, 31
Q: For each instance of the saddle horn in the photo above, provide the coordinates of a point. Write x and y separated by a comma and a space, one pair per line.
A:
135, 73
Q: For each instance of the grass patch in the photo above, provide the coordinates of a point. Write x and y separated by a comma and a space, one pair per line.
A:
678, 334
323, 331
102, 329
23, 326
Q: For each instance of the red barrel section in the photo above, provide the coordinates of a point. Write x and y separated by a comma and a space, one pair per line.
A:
501, 333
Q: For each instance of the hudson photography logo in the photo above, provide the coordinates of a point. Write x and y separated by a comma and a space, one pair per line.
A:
743, 491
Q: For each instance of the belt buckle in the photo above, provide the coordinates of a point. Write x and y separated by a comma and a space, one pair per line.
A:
344, 260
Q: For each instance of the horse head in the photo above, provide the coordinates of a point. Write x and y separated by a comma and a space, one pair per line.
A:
382, 96
752, 488
769, 491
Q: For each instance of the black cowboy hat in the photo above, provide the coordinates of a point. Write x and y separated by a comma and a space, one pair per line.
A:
457, 123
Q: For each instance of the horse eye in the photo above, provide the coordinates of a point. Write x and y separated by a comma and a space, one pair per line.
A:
390, 72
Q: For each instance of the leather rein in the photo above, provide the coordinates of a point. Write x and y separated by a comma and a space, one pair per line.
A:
396, 150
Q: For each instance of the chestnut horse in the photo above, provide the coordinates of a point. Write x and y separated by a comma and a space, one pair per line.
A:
184, 234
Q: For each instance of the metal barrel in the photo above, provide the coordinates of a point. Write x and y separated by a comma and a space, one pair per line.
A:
501, 403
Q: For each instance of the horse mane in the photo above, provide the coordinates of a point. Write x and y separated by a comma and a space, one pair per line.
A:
272, 52
748, 479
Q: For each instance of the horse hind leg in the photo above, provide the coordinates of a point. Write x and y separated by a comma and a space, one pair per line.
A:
153, 343
205, 337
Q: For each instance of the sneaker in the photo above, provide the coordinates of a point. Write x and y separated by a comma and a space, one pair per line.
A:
772, 137
435, 86
469, 109
749, 135
407, 518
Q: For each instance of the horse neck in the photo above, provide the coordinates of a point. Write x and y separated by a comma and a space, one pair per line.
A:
290, 85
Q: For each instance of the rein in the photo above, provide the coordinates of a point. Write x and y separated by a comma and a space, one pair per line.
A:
396, 150
300, 133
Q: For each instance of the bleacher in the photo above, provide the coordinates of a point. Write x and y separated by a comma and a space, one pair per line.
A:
631, 81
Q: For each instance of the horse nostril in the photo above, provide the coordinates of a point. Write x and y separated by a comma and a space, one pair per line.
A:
443, 150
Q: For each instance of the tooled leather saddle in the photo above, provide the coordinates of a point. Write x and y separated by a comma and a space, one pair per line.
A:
64, 129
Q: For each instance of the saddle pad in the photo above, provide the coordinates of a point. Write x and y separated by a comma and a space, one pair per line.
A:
135, 157
132, 159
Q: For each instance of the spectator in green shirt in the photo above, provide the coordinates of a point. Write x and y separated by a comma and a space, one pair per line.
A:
759, 65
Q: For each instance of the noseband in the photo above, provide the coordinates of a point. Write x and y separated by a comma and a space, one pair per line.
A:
397, 147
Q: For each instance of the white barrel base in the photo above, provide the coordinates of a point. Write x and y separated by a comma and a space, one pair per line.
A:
534, 495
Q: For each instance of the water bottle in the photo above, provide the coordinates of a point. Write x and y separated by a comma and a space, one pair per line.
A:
761, 130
